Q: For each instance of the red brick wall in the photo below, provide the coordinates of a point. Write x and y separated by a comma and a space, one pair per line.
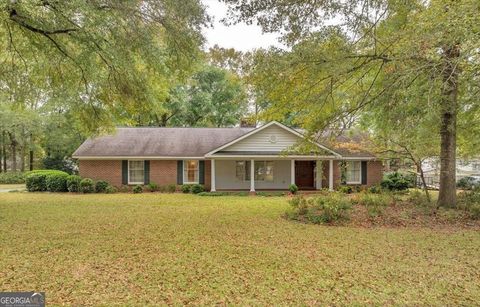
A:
108, 170
163, 172
374, 172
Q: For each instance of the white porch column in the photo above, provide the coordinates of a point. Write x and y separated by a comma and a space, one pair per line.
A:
292, 171
212, 177
252, 175
330, 175
319, 175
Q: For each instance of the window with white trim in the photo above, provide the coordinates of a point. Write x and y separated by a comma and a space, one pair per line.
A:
354, 172
136, 171
190, 171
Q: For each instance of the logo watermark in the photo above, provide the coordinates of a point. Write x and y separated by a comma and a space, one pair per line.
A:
22, 299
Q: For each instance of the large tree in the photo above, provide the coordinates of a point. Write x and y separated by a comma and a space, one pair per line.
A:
348, 56
96, 57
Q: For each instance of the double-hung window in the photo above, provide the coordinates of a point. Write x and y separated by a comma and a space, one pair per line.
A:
190, 171
136, 172
354, 171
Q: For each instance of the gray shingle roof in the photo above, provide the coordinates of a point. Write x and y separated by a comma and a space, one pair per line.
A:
159, 142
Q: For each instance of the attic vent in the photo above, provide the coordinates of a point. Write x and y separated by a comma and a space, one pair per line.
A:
272, 139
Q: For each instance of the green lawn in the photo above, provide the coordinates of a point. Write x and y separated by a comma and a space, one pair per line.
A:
180, 249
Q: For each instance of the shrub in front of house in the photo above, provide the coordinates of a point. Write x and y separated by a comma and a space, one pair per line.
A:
395, 182
12, 178
36, 183
152, 187
346, 189
293, 188
375, 189
137, 189
101, 186
330, 208
186, 188
73, 183
110, 189
56, 182
87, 185
197, 188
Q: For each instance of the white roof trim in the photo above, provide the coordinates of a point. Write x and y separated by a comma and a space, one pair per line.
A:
266, 126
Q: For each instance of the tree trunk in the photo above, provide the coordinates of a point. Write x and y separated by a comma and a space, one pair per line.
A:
30, 161
13, 143
424, 184
4, 150
22, 158
447, 196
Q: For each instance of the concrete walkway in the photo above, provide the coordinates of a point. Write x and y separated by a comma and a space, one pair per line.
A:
11, 187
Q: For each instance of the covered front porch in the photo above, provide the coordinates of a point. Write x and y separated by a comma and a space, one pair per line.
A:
259, 173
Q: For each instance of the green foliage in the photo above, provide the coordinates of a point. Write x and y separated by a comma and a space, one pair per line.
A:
186, 188
197, 188
346, 189
35, 182
12, 178
395, 182
322, 209
59, 163
87, 185
110, 189
101, 186
73, 183
375, 189
137, 189
467, 183
56, 182
293, 188
470, 202
375, 203
152, 187
419, 198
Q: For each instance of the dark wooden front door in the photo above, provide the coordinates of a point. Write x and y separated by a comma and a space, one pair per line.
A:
304, 174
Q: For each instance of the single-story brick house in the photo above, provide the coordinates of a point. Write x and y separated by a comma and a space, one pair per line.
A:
222, 159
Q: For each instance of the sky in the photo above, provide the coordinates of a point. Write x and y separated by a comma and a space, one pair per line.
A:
242, 37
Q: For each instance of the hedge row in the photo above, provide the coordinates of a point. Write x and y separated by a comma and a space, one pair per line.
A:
58, 181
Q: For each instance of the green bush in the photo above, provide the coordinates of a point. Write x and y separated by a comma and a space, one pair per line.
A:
73, 183
12, 178
470, 202
137, 189
152, 187
396, 182
375, 189
36, 182
346, 189
467, 183
322, 209
186, 188
418, 198
87, 185
197, 188
56, 182
375, 203
44, 172
101, 186
110, 189
293, 188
